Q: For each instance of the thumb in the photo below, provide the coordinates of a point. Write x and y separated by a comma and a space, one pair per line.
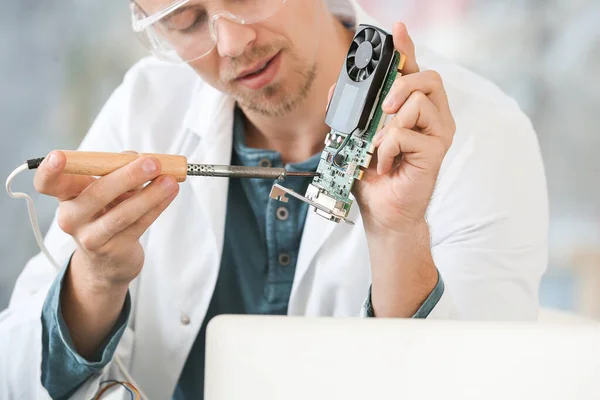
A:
330, 95
404, 45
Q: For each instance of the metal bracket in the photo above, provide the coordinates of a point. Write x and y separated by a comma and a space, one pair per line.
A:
279, 192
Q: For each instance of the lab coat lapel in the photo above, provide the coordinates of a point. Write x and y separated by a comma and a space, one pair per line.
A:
317, 231
214, 125
212, 122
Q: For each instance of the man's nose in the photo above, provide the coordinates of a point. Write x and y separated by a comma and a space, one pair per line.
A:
233, 38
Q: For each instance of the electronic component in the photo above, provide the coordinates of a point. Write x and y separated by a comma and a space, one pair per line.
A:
354, 115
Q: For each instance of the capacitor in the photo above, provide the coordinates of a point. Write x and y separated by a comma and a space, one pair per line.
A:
339, 159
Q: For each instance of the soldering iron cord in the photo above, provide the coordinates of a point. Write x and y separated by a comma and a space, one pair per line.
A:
32, 164
32, 213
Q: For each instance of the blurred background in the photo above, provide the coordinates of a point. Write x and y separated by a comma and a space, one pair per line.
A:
62, 59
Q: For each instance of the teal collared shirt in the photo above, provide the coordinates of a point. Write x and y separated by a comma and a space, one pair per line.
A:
260, 251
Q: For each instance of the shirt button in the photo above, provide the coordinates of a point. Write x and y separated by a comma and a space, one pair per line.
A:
265, 163
282, 213
284, 259
185, 320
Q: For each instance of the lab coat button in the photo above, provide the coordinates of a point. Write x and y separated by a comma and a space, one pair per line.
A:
185, 320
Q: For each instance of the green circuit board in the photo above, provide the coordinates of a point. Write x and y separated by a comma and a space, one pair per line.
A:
339, 169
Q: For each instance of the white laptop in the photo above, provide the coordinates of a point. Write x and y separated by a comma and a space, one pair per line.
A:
293, 358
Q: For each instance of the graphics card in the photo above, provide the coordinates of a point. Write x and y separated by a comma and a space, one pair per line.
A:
354, 115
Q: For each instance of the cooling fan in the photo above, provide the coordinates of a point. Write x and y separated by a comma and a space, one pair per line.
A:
354, 115
364, 55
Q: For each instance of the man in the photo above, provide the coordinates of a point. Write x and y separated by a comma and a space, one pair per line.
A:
452, 221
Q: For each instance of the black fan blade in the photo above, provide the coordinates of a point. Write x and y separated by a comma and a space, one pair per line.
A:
376, 40
376, 53
373, 65
359, 39
369, 33
353, 71
352, 53
362, 75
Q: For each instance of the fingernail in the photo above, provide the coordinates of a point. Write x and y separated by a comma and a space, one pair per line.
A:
53, 161
378, 135
149, 166
167, 183
388, 103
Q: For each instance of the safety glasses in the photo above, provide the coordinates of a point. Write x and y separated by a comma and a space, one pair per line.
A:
187, 30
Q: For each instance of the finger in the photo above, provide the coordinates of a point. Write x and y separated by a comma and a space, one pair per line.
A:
137, 229
100, 231
142, 224
126, 195
69, 218
405, 45
420, 150
330, 95
50, 180
419, 112
428, 82
106, 189
140, 187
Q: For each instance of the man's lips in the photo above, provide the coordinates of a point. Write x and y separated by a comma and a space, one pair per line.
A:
256, 68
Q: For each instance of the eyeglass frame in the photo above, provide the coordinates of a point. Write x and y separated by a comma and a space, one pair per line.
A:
140, 25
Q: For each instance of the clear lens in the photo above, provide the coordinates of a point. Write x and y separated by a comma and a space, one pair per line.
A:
253, 11
188, 33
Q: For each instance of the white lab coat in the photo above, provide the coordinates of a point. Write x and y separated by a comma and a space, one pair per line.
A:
488, 220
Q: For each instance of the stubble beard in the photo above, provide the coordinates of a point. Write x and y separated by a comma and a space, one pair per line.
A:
280, 98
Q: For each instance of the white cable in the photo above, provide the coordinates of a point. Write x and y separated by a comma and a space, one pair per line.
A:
32, 214
40, 241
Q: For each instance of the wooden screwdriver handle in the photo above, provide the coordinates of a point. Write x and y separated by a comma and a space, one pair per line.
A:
100, 164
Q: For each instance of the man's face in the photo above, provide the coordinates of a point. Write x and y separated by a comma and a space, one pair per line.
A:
269, 66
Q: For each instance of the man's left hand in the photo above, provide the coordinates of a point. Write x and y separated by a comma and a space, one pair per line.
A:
395, 191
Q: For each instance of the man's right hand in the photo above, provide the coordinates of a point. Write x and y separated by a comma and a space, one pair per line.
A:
106, 216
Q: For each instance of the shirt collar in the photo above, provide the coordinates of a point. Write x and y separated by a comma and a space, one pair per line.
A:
253, 156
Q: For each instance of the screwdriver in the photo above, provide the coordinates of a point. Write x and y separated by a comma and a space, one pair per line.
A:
100, 164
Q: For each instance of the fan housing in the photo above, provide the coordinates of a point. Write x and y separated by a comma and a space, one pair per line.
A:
364, 55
